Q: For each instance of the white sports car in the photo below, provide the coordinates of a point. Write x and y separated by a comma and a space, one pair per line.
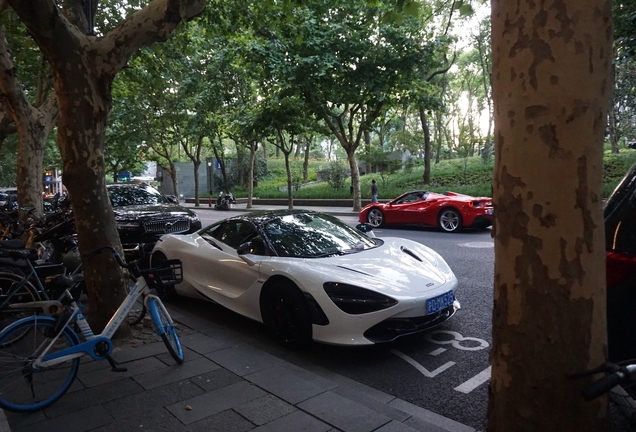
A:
308, 275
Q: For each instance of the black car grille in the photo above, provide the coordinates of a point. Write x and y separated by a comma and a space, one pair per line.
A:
392, 328
167, 226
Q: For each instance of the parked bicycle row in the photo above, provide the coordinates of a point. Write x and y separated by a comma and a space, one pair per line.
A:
43, 328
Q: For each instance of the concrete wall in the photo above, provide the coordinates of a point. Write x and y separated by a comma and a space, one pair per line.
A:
185, 179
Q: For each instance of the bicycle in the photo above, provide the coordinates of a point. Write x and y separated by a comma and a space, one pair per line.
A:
41, 362
619, 382
31, 281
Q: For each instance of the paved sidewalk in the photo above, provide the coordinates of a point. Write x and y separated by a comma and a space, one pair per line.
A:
226, 384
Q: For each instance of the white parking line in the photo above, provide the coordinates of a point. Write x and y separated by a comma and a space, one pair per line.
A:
422, 369
437, 352
475, 381
478, 245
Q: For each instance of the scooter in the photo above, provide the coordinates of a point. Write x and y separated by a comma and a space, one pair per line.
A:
223, 202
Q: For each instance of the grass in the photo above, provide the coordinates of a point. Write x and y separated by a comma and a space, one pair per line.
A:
471, 177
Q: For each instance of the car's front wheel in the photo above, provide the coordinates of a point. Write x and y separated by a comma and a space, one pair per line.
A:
450, 220
285, 312
375, 217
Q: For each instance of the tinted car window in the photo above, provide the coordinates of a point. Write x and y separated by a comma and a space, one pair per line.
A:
620, 216
138, 195
233, 232
411, 197
314, 235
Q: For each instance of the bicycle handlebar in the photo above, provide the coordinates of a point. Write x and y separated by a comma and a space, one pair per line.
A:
602, 386
16, 254
616, 375
93, 252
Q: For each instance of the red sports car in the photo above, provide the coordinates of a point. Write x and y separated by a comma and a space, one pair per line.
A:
450, 211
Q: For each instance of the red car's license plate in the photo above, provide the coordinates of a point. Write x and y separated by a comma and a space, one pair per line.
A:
440, 302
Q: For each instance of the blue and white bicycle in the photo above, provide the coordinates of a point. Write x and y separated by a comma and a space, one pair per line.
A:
40, 355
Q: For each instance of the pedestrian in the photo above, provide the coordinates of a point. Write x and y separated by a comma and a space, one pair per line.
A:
374, 191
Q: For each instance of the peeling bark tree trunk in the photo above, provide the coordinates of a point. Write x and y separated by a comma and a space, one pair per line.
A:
83, 71
355, 180
551, 84
253, 146
33, 125
426, 176
308, 140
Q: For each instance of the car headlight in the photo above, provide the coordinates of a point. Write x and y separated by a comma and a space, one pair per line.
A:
355, 300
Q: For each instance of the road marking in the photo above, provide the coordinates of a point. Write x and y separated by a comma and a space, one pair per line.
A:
457, 340
437, 352
422, 369
475, 381
478, 245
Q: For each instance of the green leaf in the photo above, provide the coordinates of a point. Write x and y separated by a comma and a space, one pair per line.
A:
466, 10
412, 8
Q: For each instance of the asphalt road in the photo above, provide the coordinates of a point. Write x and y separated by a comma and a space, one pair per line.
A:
444, 370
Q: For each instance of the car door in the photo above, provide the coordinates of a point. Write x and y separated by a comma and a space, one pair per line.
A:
407, 209
222, 275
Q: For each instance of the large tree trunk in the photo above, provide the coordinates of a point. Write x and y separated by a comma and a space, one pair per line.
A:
426, 176
290, 186
308, 140
551, 84
84, 177
218, 154
83, 71
440, 135
250, 174
33, 125
355, 180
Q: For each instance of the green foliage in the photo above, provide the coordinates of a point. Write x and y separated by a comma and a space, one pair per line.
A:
616, 165
336, 175
624, 13
471, 176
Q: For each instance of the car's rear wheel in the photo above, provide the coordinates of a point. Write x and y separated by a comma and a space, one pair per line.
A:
165, 293
286, 314
375, 217
450, 220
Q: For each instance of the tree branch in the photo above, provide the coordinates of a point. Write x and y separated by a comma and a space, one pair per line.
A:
153, 23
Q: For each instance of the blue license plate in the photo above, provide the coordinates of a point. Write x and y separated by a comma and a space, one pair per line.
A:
440, 302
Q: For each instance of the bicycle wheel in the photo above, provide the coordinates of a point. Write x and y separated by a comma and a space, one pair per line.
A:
138, 310
165, 328
10, 295
23, 387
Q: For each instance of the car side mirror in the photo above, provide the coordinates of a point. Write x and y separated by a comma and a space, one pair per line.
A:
366, 228
244, 250
172, 199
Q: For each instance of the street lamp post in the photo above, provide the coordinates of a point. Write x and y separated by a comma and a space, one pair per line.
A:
210, 177
209, 163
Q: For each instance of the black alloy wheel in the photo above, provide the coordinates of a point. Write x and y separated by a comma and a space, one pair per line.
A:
285, 312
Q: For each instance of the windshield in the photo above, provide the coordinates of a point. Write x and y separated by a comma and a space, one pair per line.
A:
314, 236
135, 195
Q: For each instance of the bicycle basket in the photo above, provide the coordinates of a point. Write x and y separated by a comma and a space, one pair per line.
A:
170, 273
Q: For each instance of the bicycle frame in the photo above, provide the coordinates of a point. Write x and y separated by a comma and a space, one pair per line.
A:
31, 277
88, 347
27, 278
